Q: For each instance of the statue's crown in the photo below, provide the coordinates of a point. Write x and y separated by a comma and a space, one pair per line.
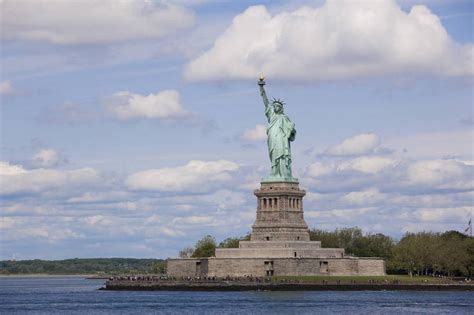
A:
279, 101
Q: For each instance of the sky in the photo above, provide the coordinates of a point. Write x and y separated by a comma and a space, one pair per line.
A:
134, 128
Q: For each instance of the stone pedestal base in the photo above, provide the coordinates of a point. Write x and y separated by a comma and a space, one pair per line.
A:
279, 249
279, 213
262, 267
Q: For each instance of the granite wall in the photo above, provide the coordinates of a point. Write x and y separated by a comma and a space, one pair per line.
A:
371, 267
239, 267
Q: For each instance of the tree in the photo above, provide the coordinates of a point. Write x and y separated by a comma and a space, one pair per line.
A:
205, 247
340, 238
159, 267
456, 253
405, 254
327, 239
233, 242
419, 252
469, 262
186, 252
428, 246
347, 237
374, 245
82, 266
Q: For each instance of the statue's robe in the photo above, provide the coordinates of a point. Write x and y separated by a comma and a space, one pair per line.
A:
280, 132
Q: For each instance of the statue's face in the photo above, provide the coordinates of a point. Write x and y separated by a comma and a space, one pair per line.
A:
278, 108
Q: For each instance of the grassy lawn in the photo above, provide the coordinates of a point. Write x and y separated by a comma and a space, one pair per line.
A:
364, 279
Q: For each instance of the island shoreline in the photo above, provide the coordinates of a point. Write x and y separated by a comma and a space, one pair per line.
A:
255, 286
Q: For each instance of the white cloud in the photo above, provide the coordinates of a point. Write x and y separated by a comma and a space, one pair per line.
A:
434, 200
339, 40
171, 232
194, 176
341, 214
318, 169
7, 169
95, 219
364, 143
311, 196
436, 144
6, 223
89, 21
402, 175
185, 207
46, 158
344, 173
165, 104
368, 164
97, 197
192, 3
216, 221
154, 219
225, 199
34, 206
457, 214
259, 133
43, 232
443, 174
6, 88
194, 220
15, 179
365, 197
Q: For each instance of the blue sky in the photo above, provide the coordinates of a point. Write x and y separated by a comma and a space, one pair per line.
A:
132, 129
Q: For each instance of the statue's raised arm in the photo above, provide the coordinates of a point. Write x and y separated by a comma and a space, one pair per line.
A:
268, 107
261, 83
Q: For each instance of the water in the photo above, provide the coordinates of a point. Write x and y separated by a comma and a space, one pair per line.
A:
76, 295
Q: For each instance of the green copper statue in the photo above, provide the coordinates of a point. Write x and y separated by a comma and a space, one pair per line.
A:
280, 132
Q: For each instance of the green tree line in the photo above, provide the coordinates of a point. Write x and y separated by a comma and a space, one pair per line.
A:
424, 253
84, 266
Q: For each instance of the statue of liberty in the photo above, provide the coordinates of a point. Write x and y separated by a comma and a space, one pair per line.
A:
280, 132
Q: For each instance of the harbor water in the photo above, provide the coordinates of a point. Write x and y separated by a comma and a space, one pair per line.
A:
77, 295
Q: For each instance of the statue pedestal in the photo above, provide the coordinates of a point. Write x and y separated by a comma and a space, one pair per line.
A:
280, 230
280, 213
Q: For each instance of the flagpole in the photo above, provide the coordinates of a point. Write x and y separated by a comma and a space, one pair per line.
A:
468, 230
